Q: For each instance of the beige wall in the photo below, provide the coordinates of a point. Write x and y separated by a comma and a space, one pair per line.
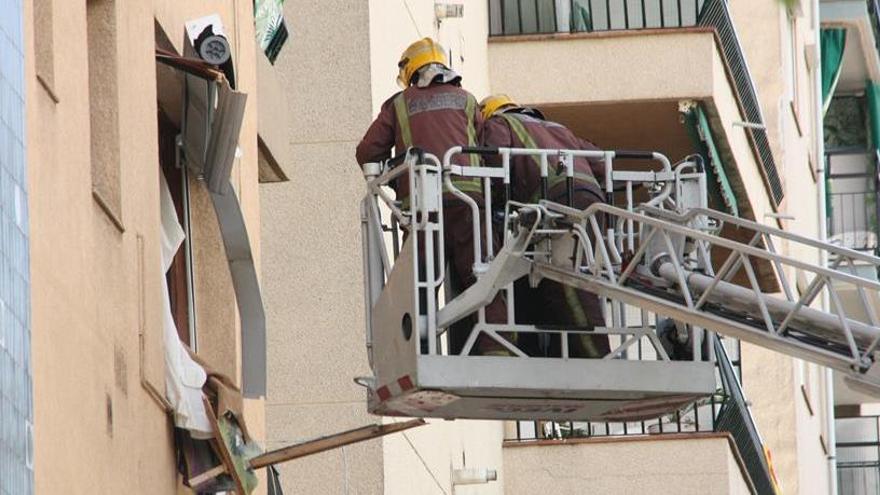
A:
96, 287
393, 29
311, 249
657, 466
441, 447
790, 419
673, 66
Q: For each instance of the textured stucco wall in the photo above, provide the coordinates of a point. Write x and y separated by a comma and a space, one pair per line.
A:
96, 286
16, 392
670, 66
657, 466
312, 253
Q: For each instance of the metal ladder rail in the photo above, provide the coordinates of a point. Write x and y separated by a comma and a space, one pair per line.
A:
765, 235
679, 302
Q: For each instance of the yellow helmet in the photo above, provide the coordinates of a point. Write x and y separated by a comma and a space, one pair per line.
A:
417, 55
493, 103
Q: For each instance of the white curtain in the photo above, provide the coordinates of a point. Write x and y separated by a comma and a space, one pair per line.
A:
184, 377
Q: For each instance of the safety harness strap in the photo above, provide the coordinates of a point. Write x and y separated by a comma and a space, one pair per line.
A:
522, 134
471, 110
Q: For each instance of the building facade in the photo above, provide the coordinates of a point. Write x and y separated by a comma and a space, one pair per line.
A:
622, 74
98, 169
109, 204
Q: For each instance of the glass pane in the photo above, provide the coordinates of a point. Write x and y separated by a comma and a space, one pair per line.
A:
850, 430
529, 16
588, 15
619, 17
547, 16
857, 480
653, 13
495, 21
857, 455
511, 16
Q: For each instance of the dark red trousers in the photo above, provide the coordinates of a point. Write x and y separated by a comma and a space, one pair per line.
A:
555, 305
459, 249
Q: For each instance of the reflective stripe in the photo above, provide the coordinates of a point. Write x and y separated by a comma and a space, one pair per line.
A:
470, 109
578, 177
439, 101
471, 185
524, 137
403, 120
467, 185
580, 318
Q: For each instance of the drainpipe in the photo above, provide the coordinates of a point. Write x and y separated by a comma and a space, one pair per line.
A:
819, 138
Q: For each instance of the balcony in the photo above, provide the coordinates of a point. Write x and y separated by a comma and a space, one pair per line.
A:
724, 415
861, 59
852, 201
623, 73
701, 463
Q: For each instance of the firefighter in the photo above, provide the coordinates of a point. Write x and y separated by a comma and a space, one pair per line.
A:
433, 113
551, 304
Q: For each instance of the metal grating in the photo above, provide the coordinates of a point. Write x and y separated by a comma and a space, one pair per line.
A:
715, 14
736, 419
16, 396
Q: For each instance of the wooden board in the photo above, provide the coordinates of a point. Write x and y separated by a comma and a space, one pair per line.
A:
222, 449
331, 442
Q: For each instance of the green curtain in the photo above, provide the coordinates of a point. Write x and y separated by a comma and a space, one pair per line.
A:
721, 194
833, 42
581, 20
872, 91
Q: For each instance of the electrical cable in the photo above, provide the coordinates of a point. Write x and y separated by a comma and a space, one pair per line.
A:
424, 464
412, 18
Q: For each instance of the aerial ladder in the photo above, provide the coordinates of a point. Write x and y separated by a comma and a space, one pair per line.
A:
657, 260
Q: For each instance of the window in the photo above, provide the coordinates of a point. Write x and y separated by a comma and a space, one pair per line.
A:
104, 107
44, 46
179, 275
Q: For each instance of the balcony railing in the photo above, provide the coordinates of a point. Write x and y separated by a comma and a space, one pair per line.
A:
852, 200
858, 455
701, 417
520, 17
560, 16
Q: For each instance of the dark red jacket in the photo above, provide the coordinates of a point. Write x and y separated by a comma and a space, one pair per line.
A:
525, 172
437, 121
